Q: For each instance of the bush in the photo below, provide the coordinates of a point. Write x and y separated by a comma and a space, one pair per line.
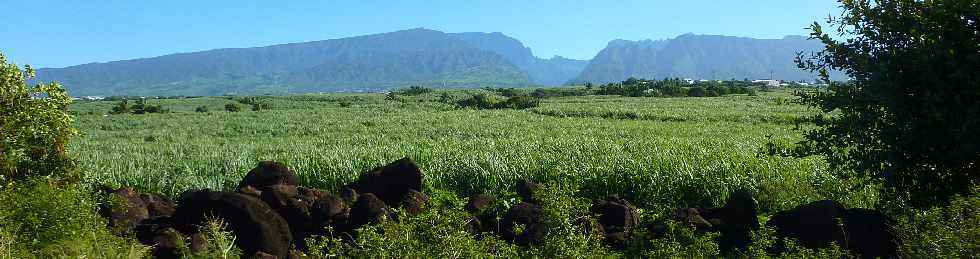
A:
521, 102
43, 219
696, 92
231, 107
485, 101
35, 127
681, 241
121, 107
260, 106
437, 232
951, 231
201, 109
480, 101
415, 90
141, 107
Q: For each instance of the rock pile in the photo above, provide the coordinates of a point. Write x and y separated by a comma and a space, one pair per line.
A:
269, 212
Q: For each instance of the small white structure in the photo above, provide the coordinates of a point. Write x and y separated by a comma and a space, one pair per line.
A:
769, 82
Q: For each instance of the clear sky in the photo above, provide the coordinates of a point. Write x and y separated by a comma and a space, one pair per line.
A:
63, 33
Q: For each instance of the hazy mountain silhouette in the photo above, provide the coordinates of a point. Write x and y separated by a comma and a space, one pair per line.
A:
700, 57
395, 59
429, 58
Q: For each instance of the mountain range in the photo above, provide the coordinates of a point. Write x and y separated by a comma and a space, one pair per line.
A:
701, 57
429, 58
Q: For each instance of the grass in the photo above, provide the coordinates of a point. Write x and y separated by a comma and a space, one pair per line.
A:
657, 152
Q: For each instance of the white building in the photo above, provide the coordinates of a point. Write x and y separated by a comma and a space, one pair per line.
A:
768, 82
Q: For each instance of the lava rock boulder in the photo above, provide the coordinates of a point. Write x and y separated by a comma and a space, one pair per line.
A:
256, 226
616, 218
266, 174
735, 221
527, 215
392, 182
863, 232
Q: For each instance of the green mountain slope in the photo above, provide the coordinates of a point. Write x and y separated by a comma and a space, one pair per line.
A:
371, 62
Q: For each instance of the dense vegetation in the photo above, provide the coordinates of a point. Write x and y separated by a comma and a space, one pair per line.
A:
675, 87
901, 120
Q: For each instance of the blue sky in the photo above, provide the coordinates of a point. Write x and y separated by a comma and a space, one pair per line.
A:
63, 33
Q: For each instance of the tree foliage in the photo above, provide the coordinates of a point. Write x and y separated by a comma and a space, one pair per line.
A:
908, 114
35, 126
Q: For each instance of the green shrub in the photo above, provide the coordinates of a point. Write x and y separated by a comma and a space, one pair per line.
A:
487, 101
567, 236
260, 106
42, 218
951, 231
696, 92
122, 107
415, 90
35, 127
521, 102
437, 232
681, 241
201, 109
231, 107
141, 107
480, 101
220, 242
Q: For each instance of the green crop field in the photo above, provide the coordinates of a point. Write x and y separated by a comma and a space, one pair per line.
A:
658, 152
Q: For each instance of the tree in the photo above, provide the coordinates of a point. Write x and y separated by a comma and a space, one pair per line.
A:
121, 108
35, 127
908, 116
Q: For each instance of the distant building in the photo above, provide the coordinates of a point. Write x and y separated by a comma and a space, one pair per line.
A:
768, 82
89, 98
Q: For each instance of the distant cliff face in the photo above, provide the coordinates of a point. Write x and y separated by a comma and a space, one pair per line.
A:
700, 56
550, 72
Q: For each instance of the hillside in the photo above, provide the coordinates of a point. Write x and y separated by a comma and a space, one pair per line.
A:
395, 59
551, 72
701, 57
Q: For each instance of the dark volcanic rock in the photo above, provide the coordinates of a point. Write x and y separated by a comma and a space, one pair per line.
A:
863, 232
479, 203
367, 210
198, 243
255, 225
250, 190
870, 233
530, 216
736, 221
617, 218
526, 190
268, 173
813, 225
286, 201
349, 195
167, 243
125, 209
391, 182
158, 205
692, 218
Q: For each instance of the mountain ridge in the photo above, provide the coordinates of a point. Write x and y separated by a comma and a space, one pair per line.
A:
431, 58
700, 56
